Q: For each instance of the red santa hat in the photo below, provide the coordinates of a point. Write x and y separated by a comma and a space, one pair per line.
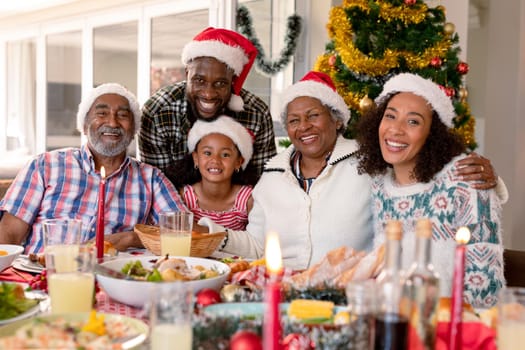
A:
320, 86
229, 47
426, 88
241, 137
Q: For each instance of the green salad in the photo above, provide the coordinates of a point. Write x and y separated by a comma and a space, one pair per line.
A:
13, 301
137, 271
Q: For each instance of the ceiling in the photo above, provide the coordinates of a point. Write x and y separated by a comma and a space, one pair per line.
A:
13, 8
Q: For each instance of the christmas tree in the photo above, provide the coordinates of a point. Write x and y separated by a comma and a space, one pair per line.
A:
371, 40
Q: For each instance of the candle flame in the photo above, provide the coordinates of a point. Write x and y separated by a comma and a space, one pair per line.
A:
463, 235
274, 262
102, 172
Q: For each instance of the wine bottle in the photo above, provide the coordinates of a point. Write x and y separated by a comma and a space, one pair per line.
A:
423, 285
391, 323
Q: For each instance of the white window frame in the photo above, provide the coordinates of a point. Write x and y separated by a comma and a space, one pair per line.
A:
221, 14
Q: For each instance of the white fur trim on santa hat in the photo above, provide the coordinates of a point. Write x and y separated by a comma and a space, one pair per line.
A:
108, 88
430, 91
236, 103
224, 125
233, 56
317, 90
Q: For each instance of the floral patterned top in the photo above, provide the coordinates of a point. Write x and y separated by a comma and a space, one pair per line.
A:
449, 203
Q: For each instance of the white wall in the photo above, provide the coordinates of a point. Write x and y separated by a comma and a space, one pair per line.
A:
504, 109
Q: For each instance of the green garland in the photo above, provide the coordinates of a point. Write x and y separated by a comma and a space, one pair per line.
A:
265, 66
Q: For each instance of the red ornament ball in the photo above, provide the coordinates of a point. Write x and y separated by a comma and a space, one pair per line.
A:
207, 296
436, 62
410, 2
450, 91
462, 68
331, 60
245, 340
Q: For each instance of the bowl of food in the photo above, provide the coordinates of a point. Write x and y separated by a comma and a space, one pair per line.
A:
130, 280
8, 253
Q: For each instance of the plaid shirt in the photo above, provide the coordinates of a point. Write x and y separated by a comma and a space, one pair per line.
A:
64, 184
167, 119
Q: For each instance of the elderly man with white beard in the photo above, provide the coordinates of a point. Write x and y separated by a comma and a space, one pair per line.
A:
65, 183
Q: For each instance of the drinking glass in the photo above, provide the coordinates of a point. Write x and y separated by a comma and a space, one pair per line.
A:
511, 318
361, 300
171, 309
69, 266
175, 233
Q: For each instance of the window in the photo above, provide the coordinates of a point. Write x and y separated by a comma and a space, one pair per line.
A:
21, 92
169, 34
44, 68
63, 89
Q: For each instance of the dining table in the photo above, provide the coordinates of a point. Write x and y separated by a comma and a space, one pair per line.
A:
105, 304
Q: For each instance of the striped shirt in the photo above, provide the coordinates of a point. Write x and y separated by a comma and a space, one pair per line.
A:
236, 218
64, 184
167, 118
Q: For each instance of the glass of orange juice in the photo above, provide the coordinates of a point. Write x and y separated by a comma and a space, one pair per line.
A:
69, 266
511, 318
175, 233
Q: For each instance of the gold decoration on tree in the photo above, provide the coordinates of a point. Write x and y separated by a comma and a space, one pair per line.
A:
365, 104
463, 94
449, 28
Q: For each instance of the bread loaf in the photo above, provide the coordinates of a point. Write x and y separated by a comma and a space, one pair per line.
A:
339, 267
332, 265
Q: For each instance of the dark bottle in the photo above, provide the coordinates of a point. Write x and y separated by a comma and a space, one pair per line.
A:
393, 303
423, 285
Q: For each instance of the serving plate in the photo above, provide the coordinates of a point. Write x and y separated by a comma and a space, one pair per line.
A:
129, 343
256, 310
23, 263
241, 310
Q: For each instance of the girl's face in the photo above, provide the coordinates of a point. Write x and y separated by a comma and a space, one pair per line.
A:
404, 130
217, 157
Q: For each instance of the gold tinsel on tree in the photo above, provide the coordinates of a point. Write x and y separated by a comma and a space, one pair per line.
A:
371, 40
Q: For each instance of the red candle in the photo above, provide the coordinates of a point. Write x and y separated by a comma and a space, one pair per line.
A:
456, 311
99, 238
272, 318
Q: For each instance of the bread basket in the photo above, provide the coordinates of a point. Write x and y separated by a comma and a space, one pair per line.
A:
202, 244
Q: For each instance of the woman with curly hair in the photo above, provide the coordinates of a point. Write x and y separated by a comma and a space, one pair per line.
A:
407, 144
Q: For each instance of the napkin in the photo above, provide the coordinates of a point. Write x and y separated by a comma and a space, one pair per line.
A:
12, 275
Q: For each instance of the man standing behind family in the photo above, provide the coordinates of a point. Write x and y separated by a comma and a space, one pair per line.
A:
217, 62
64, 183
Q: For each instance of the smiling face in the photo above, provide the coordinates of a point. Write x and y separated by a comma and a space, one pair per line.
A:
311, 128
110, 125
403, 131
217, 157
208, 86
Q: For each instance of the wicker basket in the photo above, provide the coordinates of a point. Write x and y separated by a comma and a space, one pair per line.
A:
202, 244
